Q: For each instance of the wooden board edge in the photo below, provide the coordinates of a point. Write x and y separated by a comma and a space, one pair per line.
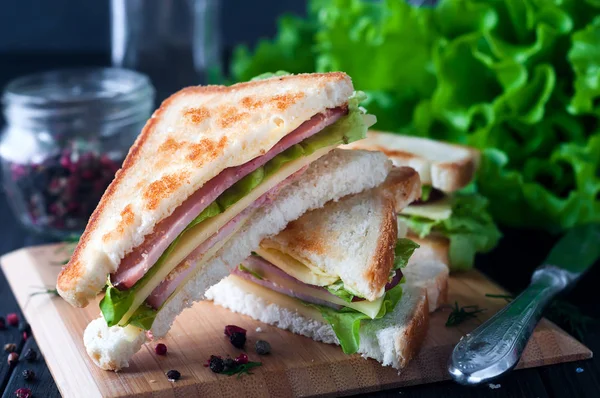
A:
69, 379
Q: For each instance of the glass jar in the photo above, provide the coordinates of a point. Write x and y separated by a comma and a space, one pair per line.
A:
176, 43
67, 134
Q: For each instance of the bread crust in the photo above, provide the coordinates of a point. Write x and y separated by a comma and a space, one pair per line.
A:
449, 175
327, 238
412, 337
177, 146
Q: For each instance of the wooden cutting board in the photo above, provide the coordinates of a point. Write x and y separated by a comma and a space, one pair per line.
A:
297, 366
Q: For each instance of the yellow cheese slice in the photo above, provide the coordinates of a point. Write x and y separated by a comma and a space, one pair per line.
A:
273, 297
191, 239
369, 308
295, 268
438, 210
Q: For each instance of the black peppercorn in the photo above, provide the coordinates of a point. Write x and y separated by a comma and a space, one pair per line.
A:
229, 364
262, 347
10, 347
238, 339
216, 364
30, 355
28, 375
173, 375
13, 358
24, 327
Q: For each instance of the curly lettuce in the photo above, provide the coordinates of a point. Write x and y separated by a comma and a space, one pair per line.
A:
518, 79
403, 250
346, 322
470, 229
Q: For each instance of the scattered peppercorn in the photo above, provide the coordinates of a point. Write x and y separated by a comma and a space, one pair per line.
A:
25, 335
2, 323
229, 364
160, 349
241, 359
12, 319
24, 327
238, 339
30, 355
230, 329
23, 393
10, 347
173, 375
13, 358
262, 347
216, 364
28, 375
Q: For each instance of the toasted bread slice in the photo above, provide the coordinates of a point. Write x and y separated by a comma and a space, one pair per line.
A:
392, 340
444, 166
338, 174
354, 238
194, 135
428, 268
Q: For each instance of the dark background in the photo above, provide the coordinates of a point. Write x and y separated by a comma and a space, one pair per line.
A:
38, 35
83, 26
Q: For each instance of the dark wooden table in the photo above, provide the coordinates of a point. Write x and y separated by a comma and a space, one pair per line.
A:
510, 265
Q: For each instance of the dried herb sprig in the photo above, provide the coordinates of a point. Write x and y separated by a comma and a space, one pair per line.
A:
461, 314
563, 313
45, 290
67, 248
242, 369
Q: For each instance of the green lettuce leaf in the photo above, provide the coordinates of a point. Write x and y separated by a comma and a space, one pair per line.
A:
518, 76
351, 127
143, 317
346, 322
114, 304
403, 250
251, 272
339, 290
470, 229
584, 55
425, 192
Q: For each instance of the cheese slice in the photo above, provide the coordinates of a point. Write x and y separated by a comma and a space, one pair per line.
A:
438, 210
273, 297
369, 308
295, 268
191, 239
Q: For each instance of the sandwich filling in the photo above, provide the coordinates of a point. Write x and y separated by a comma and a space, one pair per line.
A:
461, 217
316, 290
197, 229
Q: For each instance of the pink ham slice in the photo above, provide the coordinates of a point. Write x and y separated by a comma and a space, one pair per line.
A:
135, 264
164, 290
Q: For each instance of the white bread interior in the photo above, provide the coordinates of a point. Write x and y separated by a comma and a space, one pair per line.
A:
195, 134
444, 166
392, 340
337, 174
354, 237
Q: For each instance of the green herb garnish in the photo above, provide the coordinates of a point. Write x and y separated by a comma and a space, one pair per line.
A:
242, 369
45, 290
251, 272
425, 192
461, 314
564, 314
67, 248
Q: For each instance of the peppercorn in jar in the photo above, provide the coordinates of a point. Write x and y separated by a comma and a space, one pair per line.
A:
67, 134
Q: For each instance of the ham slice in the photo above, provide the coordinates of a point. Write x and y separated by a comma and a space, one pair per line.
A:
164, 290
136, 263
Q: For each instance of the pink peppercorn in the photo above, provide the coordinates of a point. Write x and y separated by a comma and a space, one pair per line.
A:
12, 319
241, 359
23, 393
160, 349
